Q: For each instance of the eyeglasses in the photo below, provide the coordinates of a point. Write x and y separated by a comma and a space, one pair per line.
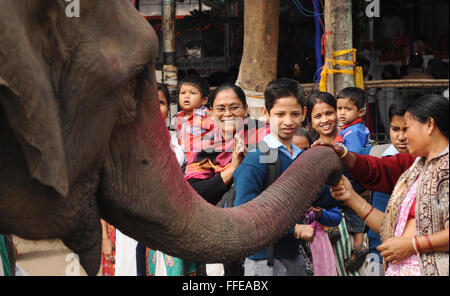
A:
233, 109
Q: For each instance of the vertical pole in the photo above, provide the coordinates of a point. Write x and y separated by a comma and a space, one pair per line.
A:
169, 71
338, 21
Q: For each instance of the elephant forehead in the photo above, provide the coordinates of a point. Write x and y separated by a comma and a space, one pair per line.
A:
114, 43
115, 59
110, 51
124, 33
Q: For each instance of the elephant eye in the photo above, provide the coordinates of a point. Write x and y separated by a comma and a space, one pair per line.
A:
139, 81
131, 96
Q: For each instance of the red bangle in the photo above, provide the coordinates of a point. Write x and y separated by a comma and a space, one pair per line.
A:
417, 245
371, 209
429, 242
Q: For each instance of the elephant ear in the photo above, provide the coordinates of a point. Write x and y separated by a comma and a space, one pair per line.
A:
35, 122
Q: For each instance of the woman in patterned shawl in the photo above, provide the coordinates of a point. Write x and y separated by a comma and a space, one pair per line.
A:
415, 227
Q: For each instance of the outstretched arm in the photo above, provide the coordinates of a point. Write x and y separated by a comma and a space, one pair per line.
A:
371, 216
377, 174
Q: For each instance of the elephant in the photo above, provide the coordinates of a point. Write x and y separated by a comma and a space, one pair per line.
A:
82, 138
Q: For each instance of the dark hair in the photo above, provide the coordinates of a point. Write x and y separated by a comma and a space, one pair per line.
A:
431, 106
318, 97
355, 94
280, 88
416, 61
162, 87
196, 81
401, 103
236, 89
304, 133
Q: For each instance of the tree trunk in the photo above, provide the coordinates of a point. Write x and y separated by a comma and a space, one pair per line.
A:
259, 58
338, 21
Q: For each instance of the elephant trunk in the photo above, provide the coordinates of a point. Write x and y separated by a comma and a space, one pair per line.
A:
220, 235
144, 194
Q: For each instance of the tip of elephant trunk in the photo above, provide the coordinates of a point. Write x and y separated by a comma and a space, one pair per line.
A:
89, 257
90, 261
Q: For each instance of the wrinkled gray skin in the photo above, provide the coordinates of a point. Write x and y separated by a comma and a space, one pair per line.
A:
82, 138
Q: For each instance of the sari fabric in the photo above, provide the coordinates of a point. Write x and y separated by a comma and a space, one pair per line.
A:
431, 207
409, 266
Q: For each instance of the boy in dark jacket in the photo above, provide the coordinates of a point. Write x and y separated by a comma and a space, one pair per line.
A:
285, 110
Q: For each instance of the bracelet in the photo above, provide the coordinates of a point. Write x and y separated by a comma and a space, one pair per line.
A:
414, 246
345, 152
364, 219
417, 245
429, 242
365, 204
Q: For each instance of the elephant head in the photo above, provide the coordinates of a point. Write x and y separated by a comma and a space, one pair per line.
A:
82, 138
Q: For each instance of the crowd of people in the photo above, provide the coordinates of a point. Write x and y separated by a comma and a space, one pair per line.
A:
389, 212
388, 216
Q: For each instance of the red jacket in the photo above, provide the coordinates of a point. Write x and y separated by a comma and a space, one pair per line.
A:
380, 174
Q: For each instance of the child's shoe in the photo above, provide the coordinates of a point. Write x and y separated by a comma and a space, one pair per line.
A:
357, 259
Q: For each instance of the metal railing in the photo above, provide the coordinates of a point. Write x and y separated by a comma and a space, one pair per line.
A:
381, 93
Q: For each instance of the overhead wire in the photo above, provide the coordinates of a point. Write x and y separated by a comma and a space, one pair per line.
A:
314, 14
304, 11
318, 16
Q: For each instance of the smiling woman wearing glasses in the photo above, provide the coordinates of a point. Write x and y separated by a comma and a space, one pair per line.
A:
230, 108
210, 169
221, 151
